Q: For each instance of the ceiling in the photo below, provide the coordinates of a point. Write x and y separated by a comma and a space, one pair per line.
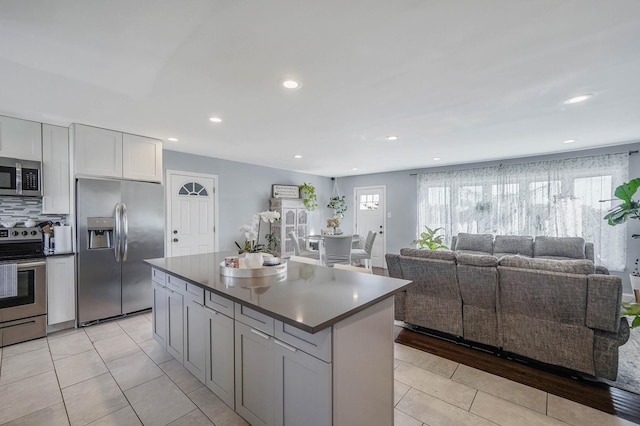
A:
462, 80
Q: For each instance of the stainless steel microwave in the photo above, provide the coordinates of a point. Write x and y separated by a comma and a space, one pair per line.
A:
20, 177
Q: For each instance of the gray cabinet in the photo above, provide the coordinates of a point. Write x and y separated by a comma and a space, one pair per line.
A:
296, 387
302, 388
159, 312
220, 352
254, 375
272, 373
194, 338
175, 325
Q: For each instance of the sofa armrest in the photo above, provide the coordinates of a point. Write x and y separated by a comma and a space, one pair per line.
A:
600, 269
604, 295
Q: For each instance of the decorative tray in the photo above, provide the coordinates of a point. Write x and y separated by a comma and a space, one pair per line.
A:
244, 272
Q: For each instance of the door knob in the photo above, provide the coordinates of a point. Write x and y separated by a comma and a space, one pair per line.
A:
175, 240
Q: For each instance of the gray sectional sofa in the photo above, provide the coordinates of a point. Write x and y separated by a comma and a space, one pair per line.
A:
540, 298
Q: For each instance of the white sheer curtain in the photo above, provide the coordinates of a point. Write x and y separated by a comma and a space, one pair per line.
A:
553, 198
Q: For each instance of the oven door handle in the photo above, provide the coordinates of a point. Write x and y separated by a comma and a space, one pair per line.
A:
29, 265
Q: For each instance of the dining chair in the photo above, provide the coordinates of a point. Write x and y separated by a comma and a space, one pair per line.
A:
352, 268
365, 254
337, 249
306, 260
302, 253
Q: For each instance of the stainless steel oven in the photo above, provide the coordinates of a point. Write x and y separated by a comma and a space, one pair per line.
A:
23, 310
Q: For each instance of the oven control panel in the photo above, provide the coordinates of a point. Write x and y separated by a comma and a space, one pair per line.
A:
12, 235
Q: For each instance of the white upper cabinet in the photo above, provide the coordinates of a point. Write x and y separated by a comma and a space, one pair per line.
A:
107, 153
20, 139
98, 152
141, 158
55, 170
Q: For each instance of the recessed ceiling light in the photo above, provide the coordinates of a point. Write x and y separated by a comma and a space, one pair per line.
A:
577, 99
436, 158
291, 84
391, 138
172, 139
215, 119
297, 156
355, 169
569, 141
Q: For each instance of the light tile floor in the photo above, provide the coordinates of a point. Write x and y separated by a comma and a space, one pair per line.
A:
116, 374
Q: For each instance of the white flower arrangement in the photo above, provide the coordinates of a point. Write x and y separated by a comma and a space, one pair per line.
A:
252, 234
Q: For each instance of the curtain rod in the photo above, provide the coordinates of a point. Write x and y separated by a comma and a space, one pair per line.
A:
630, 153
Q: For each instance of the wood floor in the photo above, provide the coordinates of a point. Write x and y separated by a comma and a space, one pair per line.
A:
597, 395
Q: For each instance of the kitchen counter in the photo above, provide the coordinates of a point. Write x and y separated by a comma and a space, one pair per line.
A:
308, 297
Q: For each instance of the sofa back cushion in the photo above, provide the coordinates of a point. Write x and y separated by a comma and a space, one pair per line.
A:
571, 266
480, 243
429, 254
559, 247
513, 244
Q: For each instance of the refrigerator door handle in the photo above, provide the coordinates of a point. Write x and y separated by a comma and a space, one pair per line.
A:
118, 236
125, 232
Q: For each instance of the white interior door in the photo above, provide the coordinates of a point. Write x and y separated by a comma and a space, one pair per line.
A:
370, 211
192, 213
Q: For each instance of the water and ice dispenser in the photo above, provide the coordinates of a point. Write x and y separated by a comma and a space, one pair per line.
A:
100, 231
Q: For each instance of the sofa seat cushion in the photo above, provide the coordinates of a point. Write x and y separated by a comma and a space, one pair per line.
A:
429, 254
572, 266
566, 247
513, 244
475, 242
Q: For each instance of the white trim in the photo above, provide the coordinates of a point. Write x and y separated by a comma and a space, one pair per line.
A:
384, 215
167, 180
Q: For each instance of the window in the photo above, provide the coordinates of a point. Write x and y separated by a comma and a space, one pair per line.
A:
193, 188
369, 202
553, 198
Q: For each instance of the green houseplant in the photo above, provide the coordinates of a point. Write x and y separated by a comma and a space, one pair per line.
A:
339, 206
308, 193
628, 209
430, 240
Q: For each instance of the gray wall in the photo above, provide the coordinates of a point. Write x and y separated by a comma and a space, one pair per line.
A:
402, 199
245, 189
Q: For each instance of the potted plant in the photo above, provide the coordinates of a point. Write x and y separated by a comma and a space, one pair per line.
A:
632, 310
628, 209
430, 240
252, 248
339, 206
308, 193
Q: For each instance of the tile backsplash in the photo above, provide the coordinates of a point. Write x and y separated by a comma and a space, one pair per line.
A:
23, 208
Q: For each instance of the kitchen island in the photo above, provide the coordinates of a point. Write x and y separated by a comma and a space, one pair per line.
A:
311, 346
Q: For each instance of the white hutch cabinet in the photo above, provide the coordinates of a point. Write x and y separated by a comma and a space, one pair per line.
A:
294, 217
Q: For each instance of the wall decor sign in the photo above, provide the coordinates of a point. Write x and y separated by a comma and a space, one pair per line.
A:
285, 191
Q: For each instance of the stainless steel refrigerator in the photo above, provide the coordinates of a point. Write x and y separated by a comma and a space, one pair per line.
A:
119, 224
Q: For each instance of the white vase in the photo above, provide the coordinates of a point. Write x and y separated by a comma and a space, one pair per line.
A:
253, 260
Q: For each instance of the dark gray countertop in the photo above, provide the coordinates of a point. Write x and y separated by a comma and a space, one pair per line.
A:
308, 297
